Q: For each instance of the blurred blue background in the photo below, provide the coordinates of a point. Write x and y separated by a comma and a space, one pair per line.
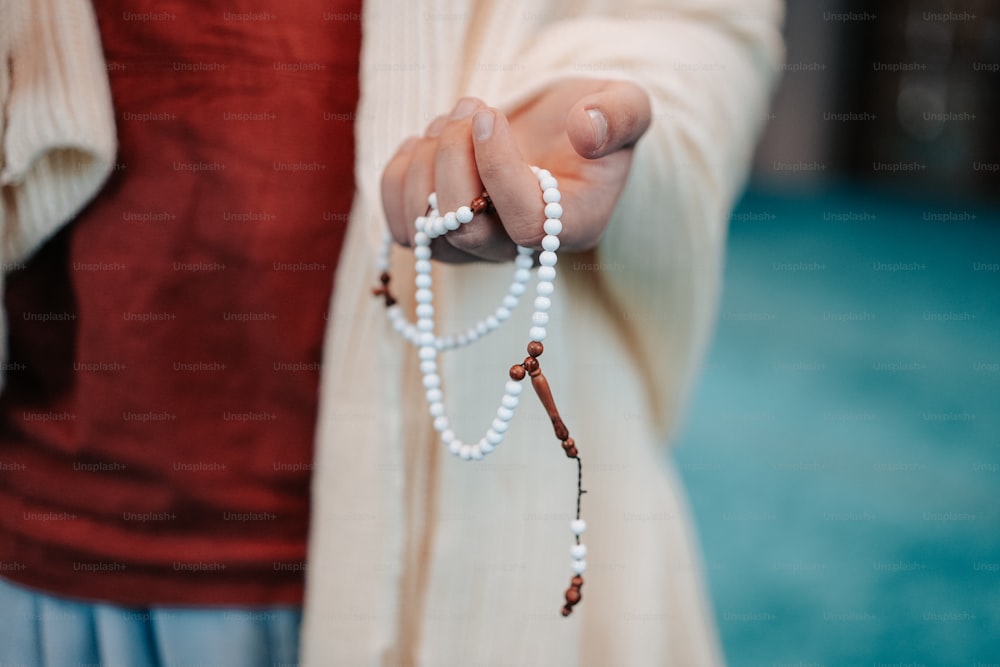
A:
842, 452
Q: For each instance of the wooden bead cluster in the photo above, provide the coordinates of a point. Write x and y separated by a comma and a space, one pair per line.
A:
533, 369
573, 595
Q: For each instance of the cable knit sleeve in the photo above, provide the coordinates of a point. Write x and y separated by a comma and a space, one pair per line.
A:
709, 67
57, 131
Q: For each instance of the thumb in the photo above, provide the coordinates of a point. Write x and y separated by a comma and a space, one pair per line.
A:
609, 120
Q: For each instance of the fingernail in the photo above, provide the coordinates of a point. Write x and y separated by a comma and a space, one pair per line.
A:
600, 124
465, 106
482, 125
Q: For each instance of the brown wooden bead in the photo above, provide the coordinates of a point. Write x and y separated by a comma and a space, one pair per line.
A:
566, 611
577, 581
478, 205
531, 365
573, 596
570, 448
535, 348
383, 291
517, 372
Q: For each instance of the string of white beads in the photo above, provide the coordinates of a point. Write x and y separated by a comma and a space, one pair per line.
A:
578, 551
421, 333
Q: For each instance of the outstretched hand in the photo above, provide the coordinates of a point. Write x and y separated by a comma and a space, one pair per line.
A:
583, 131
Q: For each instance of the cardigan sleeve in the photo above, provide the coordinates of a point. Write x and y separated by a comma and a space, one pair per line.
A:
709, 68
57, 133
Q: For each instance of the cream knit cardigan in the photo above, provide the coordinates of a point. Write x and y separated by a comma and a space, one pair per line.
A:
417, 558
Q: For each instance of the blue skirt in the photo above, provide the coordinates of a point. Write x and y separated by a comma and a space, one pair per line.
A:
41, 630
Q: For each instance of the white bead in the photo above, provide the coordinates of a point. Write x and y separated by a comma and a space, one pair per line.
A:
394, 312
579, 566
547, 258
424, 296
438, 228
510, 301
441, 424
524, 250
493, 438
465, 453
513, 388
464, 214
542, 304
428, 367
434, 395
552, 226
550, 242
578, 526
548, 182
524, 261
451, 221
425, 338
420, 223
522, 275
539, 319
436, 409
537, 334
546, 274
502, 314
486, 447
499, 426
427, 353
517, 289
447, 436
425, 310
481, 328
509, 401
492, 322
432, 381
553, 210
423, 280
544, 288
421, 239
578, 551
551, 195
455, 446
543, 174
399, 325
432, 200
422, 266
477, 452
505, 414
424, 324
422, 252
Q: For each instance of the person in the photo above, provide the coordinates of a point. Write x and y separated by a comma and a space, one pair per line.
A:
647, 116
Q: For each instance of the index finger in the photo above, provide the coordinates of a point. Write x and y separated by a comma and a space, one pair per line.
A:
508, 179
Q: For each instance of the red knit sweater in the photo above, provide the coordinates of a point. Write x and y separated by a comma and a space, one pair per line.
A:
156, 429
